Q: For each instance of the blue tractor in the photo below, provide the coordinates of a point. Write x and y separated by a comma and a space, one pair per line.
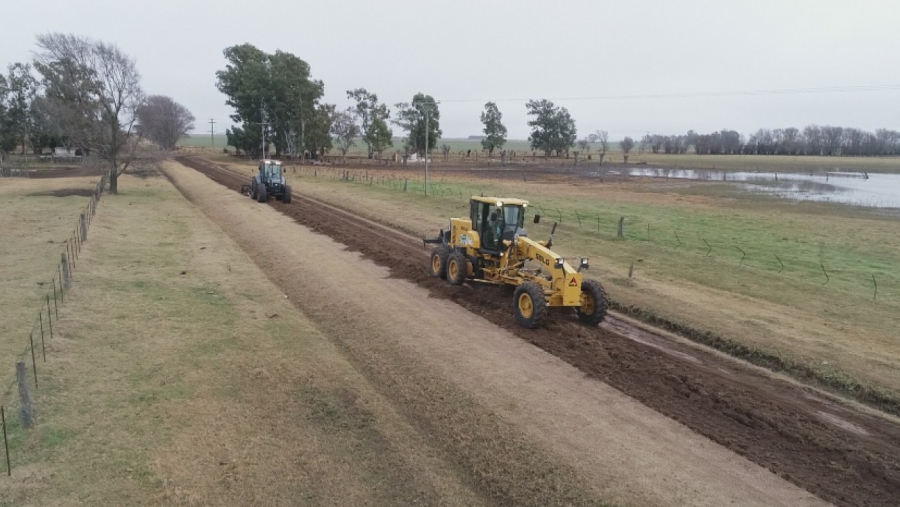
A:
270, 182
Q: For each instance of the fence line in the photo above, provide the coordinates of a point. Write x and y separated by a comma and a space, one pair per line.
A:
64, 274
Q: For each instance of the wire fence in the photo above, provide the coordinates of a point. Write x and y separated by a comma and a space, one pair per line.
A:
41, 331
877, 284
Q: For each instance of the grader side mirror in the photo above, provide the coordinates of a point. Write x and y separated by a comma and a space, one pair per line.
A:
537, 219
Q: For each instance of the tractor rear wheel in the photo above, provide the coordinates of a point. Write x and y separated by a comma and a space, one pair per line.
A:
457, 268
261, 193
439, 261
593, 303
252, 191
286, 198
530, 304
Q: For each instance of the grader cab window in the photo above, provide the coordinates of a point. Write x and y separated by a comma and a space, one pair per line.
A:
514, 215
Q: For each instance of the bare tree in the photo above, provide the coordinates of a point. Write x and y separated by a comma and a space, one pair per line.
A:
585, 144
602, 137
344, 130
94, 90
164, 121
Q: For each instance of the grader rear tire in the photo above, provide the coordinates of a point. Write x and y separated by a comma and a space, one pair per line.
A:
439, 261
593, 303
457, 268
530, 305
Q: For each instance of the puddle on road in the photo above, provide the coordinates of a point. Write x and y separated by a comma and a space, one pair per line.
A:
645, 338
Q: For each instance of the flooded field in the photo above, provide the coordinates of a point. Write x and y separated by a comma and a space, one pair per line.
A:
873, 190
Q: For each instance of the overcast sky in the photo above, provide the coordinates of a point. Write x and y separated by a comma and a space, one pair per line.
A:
505, 50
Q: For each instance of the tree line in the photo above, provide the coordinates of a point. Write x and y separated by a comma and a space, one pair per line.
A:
811, 140
84, 95
278, 104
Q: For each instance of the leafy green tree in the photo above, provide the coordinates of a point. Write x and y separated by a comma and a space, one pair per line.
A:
410, 116
379, 136
272, 94
245, 81
552, 129
494, 130
293, 99
373, 120
344, 130
318, 127
7, 139
248, 141
22, 88
43, 132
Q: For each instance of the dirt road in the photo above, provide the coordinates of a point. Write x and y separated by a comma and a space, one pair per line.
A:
843, 455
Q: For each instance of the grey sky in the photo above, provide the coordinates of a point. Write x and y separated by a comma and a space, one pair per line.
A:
495, 50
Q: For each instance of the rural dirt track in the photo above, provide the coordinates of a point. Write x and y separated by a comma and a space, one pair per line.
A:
845, 456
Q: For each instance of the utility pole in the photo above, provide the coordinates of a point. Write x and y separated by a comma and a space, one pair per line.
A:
212, 130
428, 105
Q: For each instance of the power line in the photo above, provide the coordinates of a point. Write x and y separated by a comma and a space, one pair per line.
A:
736, 93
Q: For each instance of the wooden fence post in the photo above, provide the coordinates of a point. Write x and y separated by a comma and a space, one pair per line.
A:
620, 231
5, 440
26, 410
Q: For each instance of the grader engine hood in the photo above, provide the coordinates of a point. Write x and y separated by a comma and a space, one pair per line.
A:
566, 280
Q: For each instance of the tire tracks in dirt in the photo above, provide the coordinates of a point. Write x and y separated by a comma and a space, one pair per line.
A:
841, 454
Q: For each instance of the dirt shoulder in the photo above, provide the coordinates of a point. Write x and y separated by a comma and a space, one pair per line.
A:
179, 375
529, 416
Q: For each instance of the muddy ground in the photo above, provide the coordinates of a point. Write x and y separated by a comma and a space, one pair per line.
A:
844, 455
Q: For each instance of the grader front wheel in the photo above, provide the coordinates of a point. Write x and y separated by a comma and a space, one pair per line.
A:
530, 304
457, 268
593, 303
439, 262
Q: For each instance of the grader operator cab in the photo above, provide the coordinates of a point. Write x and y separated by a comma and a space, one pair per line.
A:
268, 182
492, 246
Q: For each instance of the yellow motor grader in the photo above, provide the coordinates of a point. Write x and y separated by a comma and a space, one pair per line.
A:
491, 246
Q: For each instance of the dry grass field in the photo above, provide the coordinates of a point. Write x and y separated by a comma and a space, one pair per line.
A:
37, 218
180, 376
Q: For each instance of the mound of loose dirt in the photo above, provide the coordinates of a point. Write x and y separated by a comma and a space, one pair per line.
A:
842, 455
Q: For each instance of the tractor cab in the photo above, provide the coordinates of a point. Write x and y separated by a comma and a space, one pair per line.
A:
497, 219
269, 182
270, 171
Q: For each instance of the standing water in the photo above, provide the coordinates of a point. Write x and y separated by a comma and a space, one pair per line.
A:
874, 190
